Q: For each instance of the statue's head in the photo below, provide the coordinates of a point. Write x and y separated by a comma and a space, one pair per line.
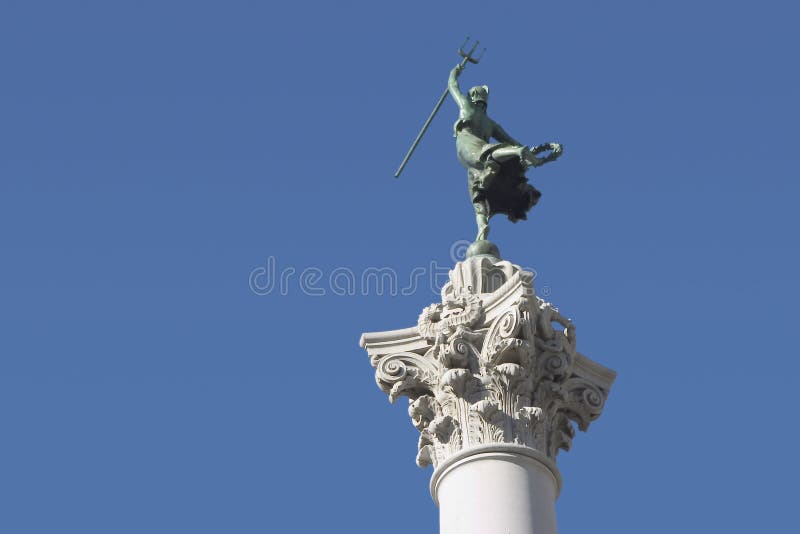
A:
479, 93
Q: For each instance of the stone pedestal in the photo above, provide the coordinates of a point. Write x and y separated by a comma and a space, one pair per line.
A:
495, 387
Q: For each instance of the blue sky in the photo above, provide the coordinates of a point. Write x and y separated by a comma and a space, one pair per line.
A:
155, 154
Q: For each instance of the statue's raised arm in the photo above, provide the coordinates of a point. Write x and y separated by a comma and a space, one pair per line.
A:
455, 91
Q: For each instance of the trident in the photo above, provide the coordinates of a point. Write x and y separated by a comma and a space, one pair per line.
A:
467, 57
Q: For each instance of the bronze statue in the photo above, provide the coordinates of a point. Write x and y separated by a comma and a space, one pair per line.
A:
495, 171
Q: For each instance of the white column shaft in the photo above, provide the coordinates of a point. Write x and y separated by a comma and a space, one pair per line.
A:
496, 493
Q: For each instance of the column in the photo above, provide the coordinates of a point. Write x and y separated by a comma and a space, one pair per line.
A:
496, 389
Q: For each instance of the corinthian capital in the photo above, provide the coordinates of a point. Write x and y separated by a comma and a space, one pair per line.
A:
491, 363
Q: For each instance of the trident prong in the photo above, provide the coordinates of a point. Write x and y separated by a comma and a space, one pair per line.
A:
467, 57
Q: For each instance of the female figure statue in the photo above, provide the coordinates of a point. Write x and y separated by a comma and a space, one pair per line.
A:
495, 171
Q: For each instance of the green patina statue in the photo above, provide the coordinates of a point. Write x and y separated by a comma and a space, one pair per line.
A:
495, 171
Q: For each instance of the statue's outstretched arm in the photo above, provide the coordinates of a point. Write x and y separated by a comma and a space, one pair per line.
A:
501, 135
452, 86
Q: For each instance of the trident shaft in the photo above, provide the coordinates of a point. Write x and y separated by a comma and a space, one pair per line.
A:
467, 57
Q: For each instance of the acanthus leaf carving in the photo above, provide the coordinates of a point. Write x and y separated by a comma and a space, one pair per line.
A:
487, 422
491, 363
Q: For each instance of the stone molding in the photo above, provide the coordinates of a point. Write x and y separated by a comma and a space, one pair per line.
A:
492, 363
510, 451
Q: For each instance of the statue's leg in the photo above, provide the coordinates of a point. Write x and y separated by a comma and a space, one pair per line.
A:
484, 179
482, 219
522, 153
507, 152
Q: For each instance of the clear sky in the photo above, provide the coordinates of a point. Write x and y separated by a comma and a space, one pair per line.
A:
153, 155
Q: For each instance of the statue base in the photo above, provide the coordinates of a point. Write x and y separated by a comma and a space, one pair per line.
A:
483, 247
